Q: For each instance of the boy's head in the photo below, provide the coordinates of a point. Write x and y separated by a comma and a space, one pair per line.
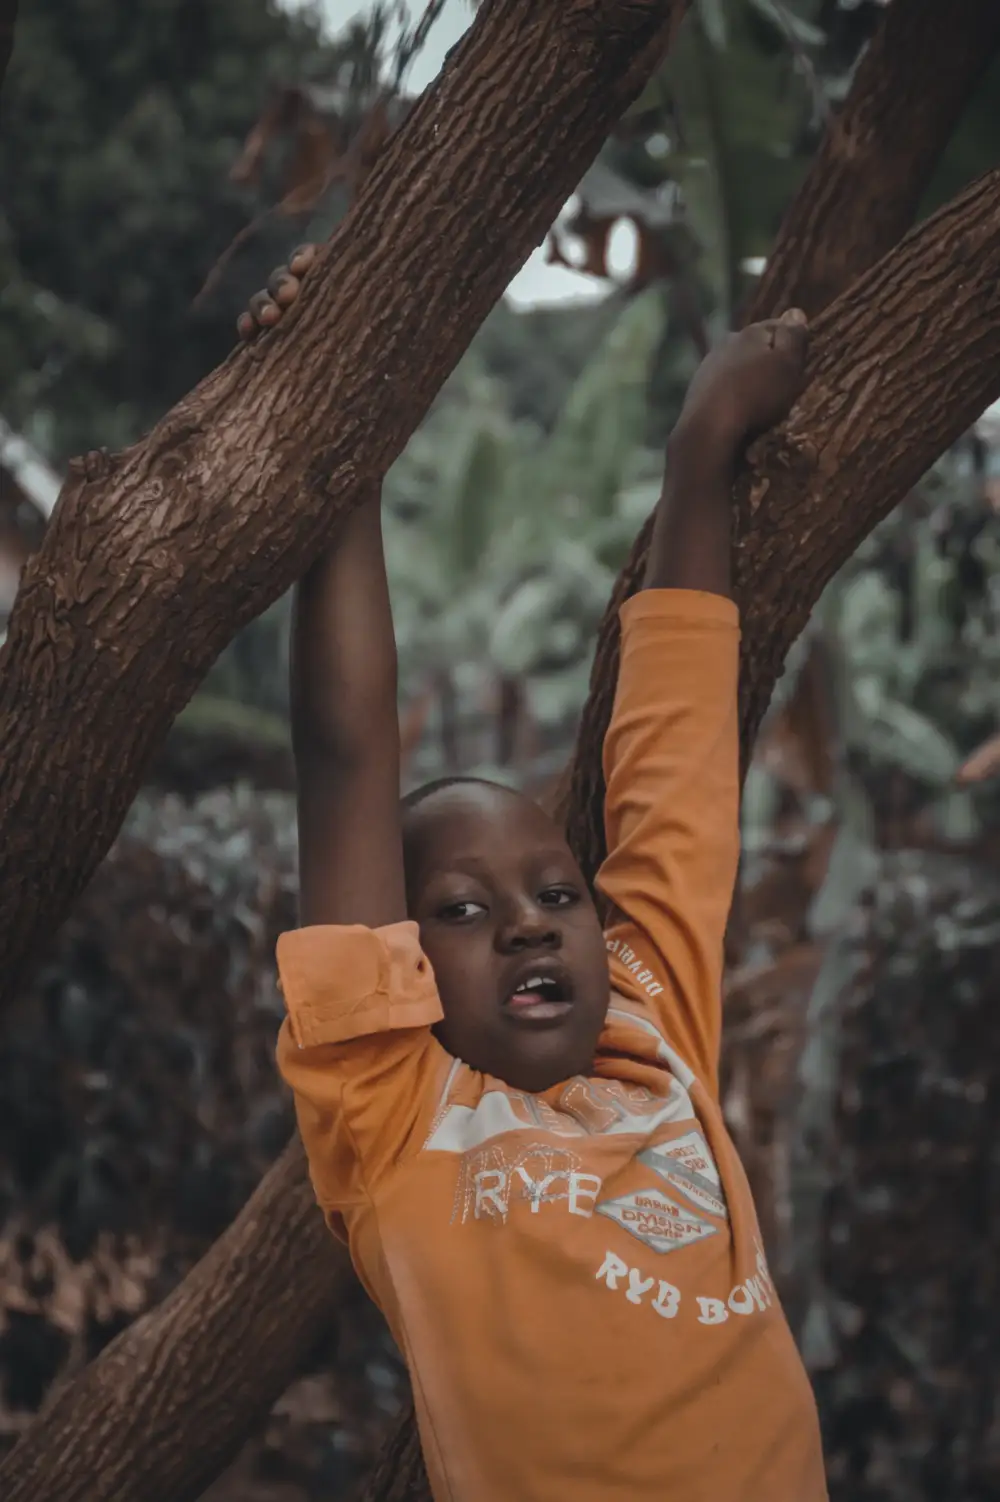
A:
510, 928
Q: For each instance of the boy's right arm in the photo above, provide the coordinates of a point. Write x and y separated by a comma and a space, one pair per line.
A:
345, 733
356, 1047
345, 730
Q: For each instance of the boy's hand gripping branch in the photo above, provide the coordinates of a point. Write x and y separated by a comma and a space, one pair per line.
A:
742, 388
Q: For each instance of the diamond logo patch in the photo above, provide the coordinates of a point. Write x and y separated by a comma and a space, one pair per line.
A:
686, 1164
657, 1220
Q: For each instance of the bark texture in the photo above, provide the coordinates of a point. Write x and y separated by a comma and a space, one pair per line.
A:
400, 1475
879, 151
901, 367
166, 1406
156, 557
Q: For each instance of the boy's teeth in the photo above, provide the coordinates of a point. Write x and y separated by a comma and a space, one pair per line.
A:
535, 983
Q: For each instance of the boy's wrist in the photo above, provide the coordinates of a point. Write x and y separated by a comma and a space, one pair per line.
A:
701, 453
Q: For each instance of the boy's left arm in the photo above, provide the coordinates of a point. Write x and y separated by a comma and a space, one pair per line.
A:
671, 755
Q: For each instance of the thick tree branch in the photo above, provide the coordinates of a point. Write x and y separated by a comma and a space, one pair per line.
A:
165, 1407
864, 186
153, 560
900, 367
399, 1474
855, 203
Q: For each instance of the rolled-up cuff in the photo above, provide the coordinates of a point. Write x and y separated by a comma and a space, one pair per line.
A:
341, 983
679, 607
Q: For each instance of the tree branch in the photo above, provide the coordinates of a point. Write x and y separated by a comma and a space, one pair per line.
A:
169, 499
154, 560
858, 198
899, 368
865, 428
864, 186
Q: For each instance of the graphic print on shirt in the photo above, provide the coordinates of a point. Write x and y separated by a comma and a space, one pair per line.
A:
586, 1108
503, 1162
502, 1173
688, 1166
657, 1220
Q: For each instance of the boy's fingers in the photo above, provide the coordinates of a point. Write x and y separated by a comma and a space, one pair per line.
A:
264, 310
286, 291
301, 259
790, 337
246, 326
792, 321
277, 279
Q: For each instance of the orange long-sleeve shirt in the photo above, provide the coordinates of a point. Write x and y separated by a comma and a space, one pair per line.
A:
575, 1278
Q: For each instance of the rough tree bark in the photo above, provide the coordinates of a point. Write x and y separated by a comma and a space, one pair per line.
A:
154, 558
925, 319
53, 1455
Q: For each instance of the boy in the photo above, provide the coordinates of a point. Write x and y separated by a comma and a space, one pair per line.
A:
512, 1118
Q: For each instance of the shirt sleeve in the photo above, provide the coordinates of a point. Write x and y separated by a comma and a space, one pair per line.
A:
357, 1050
671, 765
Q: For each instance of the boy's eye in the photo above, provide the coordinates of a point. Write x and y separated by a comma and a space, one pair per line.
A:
558, 896
460, 912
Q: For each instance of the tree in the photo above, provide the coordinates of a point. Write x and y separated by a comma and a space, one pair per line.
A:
222, 456
843, 218
218, 479
879, 439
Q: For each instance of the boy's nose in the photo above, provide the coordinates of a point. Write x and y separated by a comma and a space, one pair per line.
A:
530, 930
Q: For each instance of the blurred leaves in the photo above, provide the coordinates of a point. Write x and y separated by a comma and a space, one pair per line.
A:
908, 1242
139, 1105
120, 125
503, 540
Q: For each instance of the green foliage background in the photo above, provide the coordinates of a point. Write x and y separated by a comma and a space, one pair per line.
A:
507, 518
119, 125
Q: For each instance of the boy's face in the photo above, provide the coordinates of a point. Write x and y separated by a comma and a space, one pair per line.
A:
510, 929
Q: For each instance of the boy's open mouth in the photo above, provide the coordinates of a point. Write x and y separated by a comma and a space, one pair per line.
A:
539, 991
